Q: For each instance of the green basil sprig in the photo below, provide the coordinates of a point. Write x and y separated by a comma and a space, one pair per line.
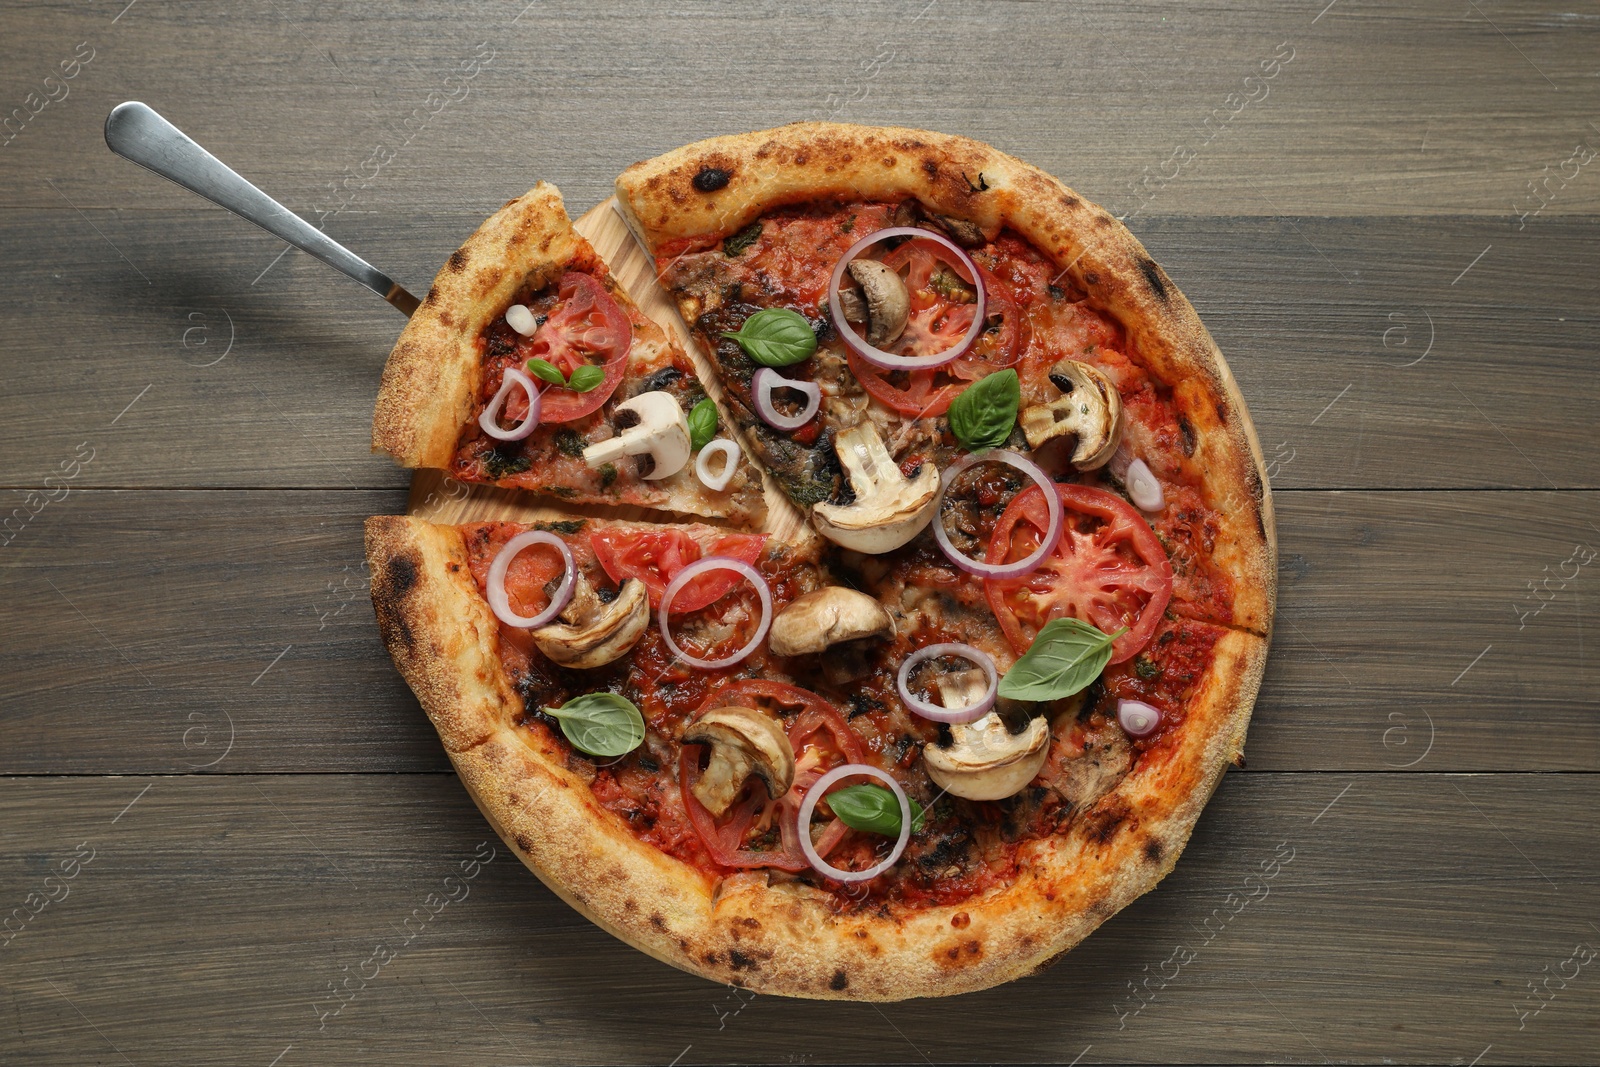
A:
775, 337
736, 243
702, 424
1067, 655
601, 724
983, 415
872, 808
583, 378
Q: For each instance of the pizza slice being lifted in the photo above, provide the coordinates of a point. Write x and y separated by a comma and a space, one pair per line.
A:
527, 366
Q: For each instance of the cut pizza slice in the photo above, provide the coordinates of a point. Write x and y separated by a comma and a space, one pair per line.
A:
884, 305
528, 366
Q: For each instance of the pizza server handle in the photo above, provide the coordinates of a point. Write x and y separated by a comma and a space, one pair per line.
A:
137, 132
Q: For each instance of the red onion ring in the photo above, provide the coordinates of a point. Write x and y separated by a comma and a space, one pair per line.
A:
1052, 503
500, 603
489, 420
702, 466
809, 805
694, 570
1137, 718
888, 360
764, 381
934, 711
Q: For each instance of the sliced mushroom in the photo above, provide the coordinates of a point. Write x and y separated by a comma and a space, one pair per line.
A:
1089, 407
888, 303
743, 742
964, 233
654, 429
827, 617
592, 633
889, 508
985, 760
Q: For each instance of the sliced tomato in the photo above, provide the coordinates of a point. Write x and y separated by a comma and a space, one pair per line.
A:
656, 556
531, 577
821, 738
1108, 569
587, 327
914, 393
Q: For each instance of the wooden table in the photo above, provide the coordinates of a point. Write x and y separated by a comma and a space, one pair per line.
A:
217, 796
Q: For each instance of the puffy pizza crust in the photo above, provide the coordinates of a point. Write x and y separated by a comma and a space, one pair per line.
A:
434, 371
783, 938
720, 185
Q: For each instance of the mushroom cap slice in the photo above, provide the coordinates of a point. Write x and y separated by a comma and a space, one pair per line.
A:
986, 761
592, 633
653, 427
1089, 407
743, 742
888, 303
827, 617
889, 509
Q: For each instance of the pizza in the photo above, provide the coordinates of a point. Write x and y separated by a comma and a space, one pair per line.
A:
528, 367
964, 696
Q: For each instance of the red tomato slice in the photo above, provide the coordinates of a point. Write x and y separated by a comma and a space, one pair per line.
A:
532, 576
1108, 569
656, 556
585, 325
993, 350
725, 839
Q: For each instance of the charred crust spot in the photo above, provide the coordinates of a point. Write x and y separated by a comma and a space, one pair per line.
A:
739, 961
400, 577
712, 957
1152, 274
749, 923
1091, 278
658, 922
710, 179
1152, 850
432, 297
960, 920
457, 261
630, 905
1026, 942
931, 169
839, 981
1101, 909
1189, 439
524, 842
1070, 201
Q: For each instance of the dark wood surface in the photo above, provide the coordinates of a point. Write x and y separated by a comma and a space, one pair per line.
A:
186, 627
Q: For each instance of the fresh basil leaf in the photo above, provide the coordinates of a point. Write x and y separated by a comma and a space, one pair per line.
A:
546, 371
872, 808
983, 415
735, 243
702, 424
586, 377
1067, 655
776, 337
601, 724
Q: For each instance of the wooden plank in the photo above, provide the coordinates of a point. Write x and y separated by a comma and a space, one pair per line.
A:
144, 614
1374, 112
1318, 318
1401, 922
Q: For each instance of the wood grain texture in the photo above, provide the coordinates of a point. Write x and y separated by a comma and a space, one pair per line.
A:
1394, 246
1398, 925
1302, 309
144, 616
1436, 107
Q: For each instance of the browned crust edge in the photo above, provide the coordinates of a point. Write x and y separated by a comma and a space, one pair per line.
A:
426, 394
783, 939
958, 176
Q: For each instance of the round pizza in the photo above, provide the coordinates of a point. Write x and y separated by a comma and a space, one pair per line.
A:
961, 692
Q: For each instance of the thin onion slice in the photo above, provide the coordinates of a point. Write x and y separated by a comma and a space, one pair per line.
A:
809, 805
764, 381
1052, 503
490, 419
1143, 487
888, 360
934, 711
702, 464
1137, 718
694, 570
500, 603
